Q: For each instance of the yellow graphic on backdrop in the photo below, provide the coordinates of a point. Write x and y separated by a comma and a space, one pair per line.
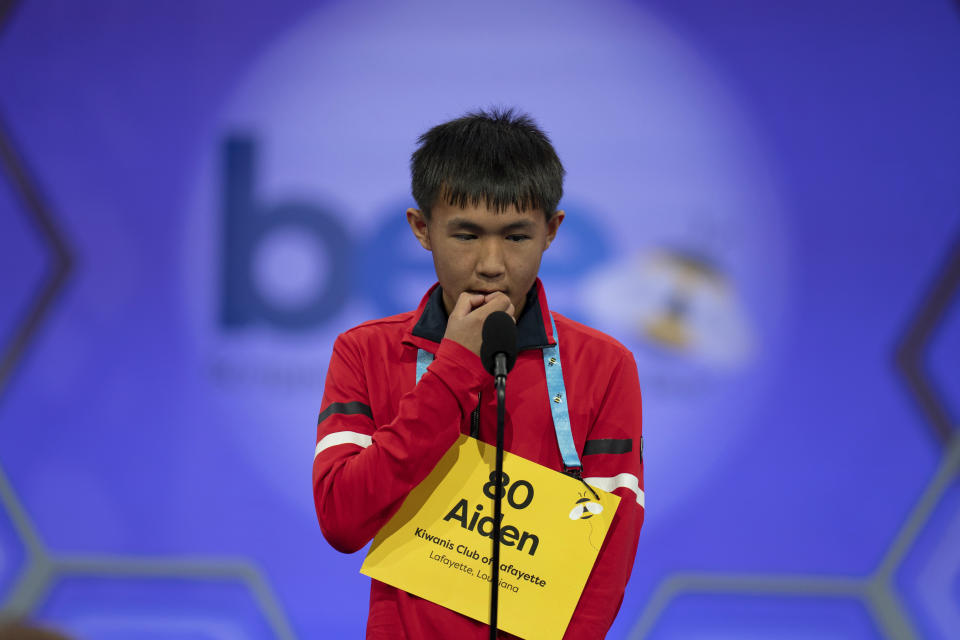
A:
439, 544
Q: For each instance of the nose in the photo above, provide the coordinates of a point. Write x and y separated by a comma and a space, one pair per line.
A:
490, 264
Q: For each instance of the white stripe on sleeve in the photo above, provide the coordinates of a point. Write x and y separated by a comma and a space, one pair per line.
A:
627, 480
343, 437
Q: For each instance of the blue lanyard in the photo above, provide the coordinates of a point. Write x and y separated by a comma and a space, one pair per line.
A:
556, 396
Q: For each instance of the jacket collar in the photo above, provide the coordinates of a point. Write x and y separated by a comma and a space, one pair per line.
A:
534, 329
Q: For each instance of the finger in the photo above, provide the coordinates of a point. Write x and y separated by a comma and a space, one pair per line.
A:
497, 302
494, 296
466, 303
501, 303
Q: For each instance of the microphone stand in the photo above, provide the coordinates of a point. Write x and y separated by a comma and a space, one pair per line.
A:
500, 378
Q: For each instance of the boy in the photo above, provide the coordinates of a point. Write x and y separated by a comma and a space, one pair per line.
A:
487, 186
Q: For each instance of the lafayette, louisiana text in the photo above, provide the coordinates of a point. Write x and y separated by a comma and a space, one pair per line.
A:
473, 554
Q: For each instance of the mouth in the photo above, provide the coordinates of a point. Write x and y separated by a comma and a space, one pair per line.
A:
482, 292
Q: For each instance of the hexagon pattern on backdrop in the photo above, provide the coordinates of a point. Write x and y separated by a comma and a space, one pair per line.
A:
930, 577
12, 555
112, 597
111, 608
707, 616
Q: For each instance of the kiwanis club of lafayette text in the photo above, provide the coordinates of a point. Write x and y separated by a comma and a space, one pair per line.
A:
466, 551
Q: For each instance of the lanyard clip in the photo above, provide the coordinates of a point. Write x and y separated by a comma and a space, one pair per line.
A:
577, 472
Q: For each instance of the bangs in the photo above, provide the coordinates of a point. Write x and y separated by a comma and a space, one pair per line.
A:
496, 196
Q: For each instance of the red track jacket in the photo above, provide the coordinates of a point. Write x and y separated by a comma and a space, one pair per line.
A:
379, 435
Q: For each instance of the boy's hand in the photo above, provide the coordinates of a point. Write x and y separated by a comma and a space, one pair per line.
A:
465, 324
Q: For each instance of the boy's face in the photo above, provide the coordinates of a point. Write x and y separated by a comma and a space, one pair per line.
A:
477, 250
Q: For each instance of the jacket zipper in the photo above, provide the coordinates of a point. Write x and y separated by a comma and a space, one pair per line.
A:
475, 418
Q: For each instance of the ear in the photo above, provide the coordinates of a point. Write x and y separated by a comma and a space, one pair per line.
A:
552, 226
419, 225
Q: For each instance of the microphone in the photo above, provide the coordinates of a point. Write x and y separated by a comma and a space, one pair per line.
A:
498, 350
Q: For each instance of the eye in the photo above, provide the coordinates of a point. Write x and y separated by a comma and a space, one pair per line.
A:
518, 237
464, 236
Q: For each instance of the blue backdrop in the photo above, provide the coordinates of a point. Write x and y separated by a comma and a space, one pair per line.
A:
763, 203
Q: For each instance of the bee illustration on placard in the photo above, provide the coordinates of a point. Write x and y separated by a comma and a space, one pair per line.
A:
585, 508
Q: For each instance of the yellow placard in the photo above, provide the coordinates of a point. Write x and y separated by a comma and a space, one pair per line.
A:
439, 544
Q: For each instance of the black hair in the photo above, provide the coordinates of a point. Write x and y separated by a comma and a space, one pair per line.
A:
496, 158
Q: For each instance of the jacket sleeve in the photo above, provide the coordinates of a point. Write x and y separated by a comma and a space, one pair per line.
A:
362, 471
612, 460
